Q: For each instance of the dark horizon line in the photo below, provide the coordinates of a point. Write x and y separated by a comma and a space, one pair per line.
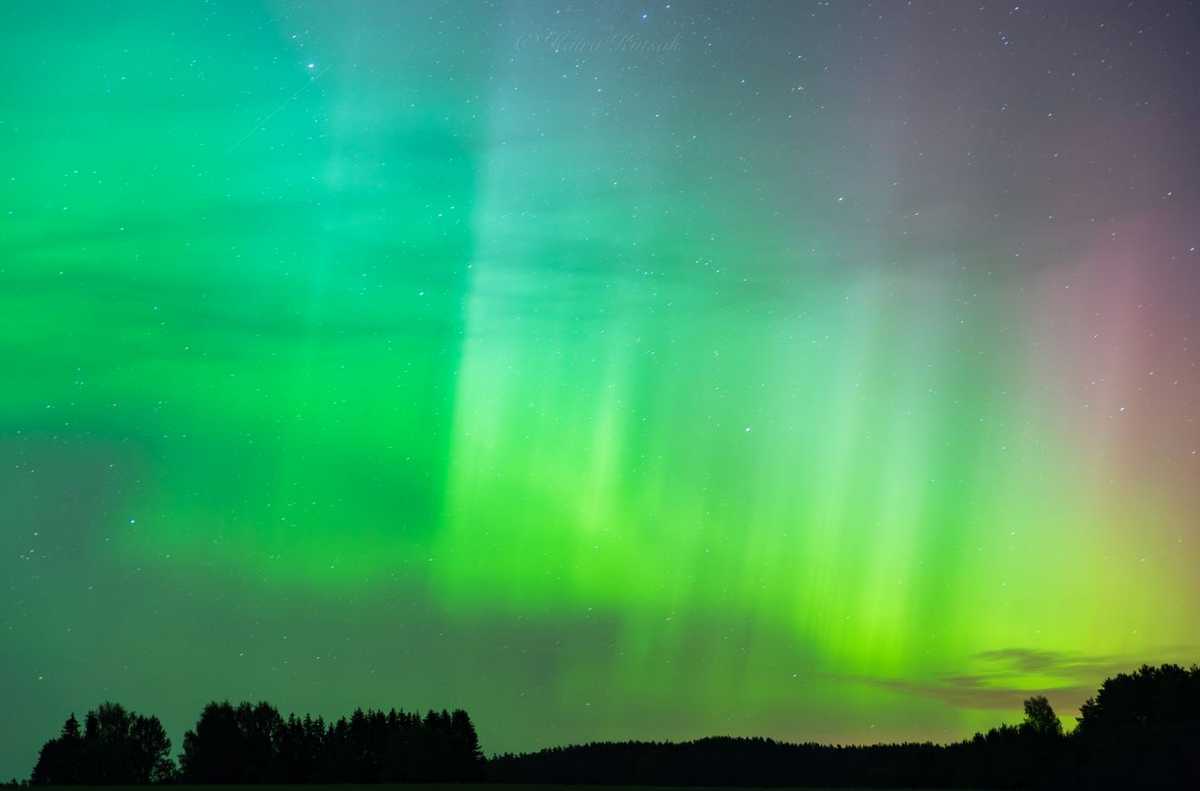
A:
1140, 728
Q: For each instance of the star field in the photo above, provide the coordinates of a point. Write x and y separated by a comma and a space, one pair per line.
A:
822, 371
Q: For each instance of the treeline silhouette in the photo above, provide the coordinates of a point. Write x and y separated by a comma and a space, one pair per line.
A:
253, 743
1141, 730
114, 747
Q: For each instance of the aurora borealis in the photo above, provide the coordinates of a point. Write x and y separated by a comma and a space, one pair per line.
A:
825, 371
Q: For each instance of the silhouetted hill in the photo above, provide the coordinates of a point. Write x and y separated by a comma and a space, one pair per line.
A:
1142, 730
726, 761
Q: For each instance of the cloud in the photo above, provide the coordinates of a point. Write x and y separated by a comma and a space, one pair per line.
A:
1003, 678
979, 692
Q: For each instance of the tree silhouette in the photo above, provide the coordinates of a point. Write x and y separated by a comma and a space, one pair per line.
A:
248, 743
1142, 729
466, 757
116, 747
233, 745
1040, 719
61, 760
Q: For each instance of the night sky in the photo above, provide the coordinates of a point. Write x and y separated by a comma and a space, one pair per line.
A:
824, 371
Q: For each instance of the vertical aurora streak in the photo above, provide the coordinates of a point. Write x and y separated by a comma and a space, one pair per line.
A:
821, 373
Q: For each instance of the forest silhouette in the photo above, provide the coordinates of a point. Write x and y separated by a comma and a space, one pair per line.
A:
1140, 730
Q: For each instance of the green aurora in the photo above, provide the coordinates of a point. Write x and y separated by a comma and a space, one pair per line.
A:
712, 371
